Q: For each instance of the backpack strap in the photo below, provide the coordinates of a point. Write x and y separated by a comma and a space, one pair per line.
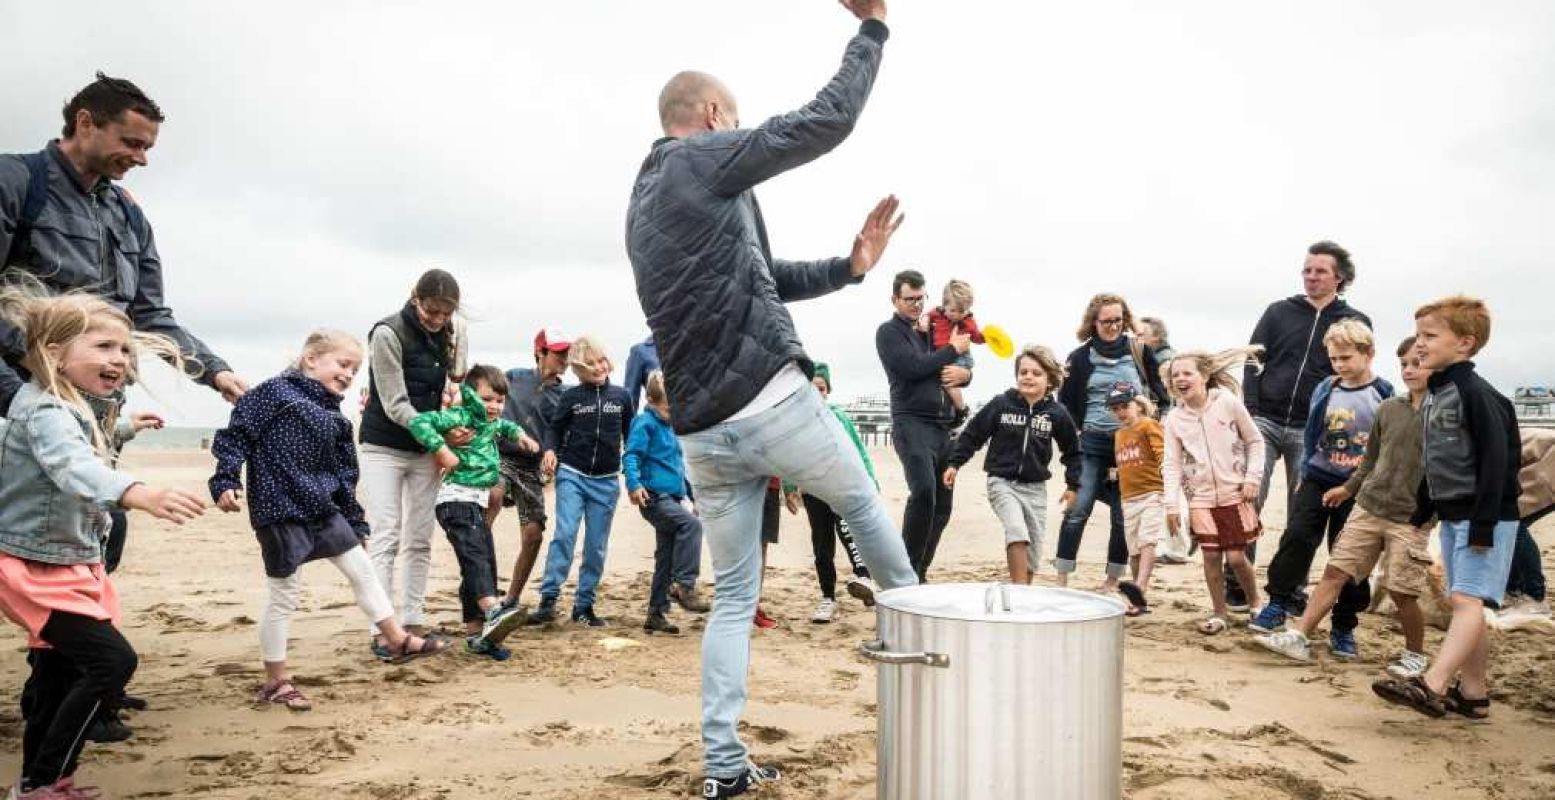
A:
32, 205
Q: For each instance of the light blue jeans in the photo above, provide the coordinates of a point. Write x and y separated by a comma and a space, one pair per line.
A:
729, 464
592, 502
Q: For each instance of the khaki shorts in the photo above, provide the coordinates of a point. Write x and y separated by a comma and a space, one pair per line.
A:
1144, 521
1403, 549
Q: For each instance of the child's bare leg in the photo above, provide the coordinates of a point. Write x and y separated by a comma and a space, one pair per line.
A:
1474, 678
1461, 645
1144, 565
955, 396
493, 506
1412, 620
528, 551
1322, 601
1237, 560
1062, 579
1017, 555
1215, 577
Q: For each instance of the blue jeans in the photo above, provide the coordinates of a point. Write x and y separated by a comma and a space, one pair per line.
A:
592, 502
729, 465
678, 536
1096, 462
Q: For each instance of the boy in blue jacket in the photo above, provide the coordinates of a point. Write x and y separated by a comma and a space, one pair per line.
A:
656, 483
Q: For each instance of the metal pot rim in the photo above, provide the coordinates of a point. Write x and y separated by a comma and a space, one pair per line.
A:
999, 603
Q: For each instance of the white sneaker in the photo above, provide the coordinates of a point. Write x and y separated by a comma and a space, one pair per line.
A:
826, 611
1408, 665
1289, 643
863, 589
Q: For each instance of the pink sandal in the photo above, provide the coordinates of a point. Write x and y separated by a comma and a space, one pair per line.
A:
283, 693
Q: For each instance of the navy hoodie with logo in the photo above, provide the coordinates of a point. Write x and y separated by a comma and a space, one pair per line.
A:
588, 426
1020, 437
1294, 358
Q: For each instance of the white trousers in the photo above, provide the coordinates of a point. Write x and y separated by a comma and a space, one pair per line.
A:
401, 491
284, 592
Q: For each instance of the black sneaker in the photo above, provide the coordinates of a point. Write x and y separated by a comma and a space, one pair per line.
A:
107, 727
586, 615
1236, 599
132, 702
545, 613
658, 624
740, 784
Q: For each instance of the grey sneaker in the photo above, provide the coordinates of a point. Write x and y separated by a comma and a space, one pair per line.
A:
1289, 643
826, 611
863, 589
502, 620
1408, 665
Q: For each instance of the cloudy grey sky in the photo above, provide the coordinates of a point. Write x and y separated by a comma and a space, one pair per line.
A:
318, 156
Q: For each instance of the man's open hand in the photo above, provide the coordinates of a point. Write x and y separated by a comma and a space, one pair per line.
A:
870, 242
865, 9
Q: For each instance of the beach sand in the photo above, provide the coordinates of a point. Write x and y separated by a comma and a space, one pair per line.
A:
569, 716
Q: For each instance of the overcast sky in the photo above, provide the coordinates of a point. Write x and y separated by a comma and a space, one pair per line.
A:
318, 156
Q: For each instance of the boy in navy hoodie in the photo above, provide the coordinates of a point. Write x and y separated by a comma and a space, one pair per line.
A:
583, 449
1022, 424
1471, 450
1339, 423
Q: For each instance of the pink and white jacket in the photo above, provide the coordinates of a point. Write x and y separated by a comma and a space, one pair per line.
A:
1212, 454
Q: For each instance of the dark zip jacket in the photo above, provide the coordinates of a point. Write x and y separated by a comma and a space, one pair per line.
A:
588, 427
1472, 454
1294, 358
912, 368
91, 239
1022, 436
712, 293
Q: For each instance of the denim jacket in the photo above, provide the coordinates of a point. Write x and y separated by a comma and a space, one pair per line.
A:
55, 489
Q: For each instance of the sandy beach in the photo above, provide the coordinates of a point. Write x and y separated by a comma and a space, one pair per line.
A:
614, 712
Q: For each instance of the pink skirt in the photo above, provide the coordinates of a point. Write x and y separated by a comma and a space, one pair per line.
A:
31, 590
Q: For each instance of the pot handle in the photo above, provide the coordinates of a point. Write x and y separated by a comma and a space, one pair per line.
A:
874, 650
1000, 592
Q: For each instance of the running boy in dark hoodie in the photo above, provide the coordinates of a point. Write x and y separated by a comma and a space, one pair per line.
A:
1022, 424
1471, 484
583, 448
471, 471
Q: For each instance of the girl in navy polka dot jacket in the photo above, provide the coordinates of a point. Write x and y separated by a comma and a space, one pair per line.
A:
302, 474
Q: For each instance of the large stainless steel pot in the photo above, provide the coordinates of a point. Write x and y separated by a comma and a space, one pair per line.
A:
998, 691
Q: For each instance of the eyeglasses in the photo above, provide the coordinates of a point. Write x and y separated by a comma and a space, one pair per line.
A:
1111, 323
912, 301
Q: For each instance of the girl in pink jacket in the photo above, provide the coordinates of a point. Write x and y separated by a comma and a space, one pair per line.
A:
1214, 457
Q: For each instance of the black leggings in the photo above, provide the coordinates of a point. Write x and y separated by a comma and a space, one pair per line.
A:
88, 665
826, 528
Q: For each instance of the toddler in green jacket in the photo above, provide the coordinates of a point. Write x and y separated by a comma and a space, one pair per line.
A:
472, 469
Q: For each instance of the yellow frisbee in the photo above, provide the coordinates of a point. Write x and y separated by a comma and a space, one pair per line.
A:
998, 341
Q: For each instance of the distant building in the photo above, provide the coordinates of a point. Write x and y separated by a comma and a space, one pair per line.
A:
1535, 406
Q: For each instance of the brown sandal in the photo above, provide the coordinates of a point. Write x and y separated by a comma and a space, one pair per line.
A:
430, 645
283, 693
1477, 708
1411, 693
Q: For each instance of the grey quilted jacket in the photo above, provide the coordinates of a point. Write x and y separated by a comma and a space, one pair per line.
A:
712, 293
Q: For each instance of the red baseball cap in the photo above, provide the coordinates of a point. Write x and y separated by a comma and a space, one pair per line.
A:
552, 339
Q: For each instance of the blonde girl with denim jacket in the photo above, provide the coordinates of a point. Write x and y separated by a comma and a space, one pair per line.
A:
56, 490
